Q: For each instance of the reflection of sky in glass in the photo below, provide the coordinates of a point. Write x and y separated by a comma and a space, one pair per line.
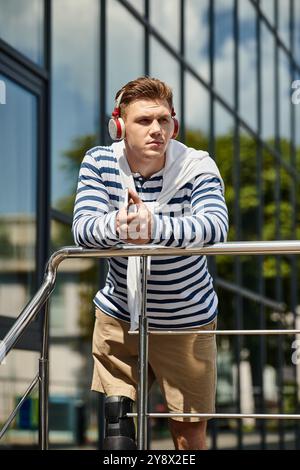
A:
166, 68
224, 122
224, 125
284, 22
297, 33
164, 15
125, 50
196, 105
224, 50
21, 25
18, 151
196, 36
268, 8
224, 28
268, 77
247, 64
75, 75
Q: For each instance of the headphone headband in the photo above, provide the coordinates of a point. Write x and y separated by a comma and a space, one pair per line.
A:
117, 111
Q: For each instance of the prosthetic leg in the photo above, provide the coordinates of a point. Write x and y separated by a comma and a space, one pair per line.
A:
119, 430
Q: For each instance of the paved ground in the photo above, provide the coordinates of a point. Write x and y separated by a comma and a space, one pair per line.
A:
228, 440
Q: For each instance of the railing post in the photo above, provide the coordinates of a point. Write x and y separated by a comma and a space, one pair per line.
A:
44, 384
143, 364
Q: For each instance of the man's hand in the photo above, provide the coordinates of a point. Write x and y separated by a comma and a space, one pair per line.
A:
134, 227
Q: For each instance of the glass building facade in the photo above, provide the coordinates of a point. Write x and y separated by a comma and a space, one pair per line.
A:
231, 65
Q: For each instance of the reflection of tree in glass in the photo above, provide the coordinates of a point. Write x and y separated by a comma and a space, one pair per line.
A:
70, 166
249, 201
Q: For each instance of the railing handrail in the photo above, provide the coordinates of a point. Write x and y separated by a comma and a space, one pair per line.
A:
41, 297
36, 303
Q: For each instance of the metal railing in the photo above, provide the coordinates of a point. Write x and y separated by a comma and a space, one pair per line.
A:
42, 298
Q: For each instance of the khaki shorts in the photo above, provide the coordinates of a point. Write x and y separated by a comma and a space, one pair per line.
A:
183, 365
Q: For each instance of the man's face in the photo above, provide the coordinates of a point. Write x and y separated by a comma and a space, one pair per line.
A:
149, 127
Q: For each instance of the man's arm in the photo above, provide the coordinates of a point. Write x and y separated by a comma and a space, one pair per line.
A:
207, 224
93, 225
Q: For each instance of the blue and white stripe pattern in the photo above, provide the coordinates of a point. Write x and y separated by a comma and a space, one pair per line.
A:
180, 290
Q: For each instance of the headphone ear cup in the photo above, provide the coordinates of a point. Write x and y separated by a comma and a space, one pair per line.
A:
176, 128
116, 128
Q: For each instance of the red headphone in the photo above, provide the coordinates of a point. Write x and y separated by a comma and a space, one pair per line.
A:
116, 125
176, 125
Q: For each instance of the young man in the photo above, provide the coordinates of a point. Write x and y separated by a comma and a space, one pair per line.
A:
178, 198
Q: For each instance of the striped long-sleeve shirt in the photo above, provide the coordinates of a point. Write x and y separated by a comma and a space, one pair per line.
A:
180, 291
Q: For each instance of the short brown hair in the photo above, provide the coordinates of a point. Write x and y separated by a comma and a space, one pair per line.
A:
145, 88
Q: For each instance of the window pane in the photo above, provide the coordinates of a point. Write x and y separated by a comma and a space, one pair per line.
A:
248, 190
247, 63
72, 308
224, 125
22, 27
224, 49
284, 21
269, 178
165, 18
71, 406
287, 211
297, 31
75, 96
18, 150
197, 36
268, 8
166, 68
125, 50
285, 104
196, 113
268, 89
297, 134
15, 375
